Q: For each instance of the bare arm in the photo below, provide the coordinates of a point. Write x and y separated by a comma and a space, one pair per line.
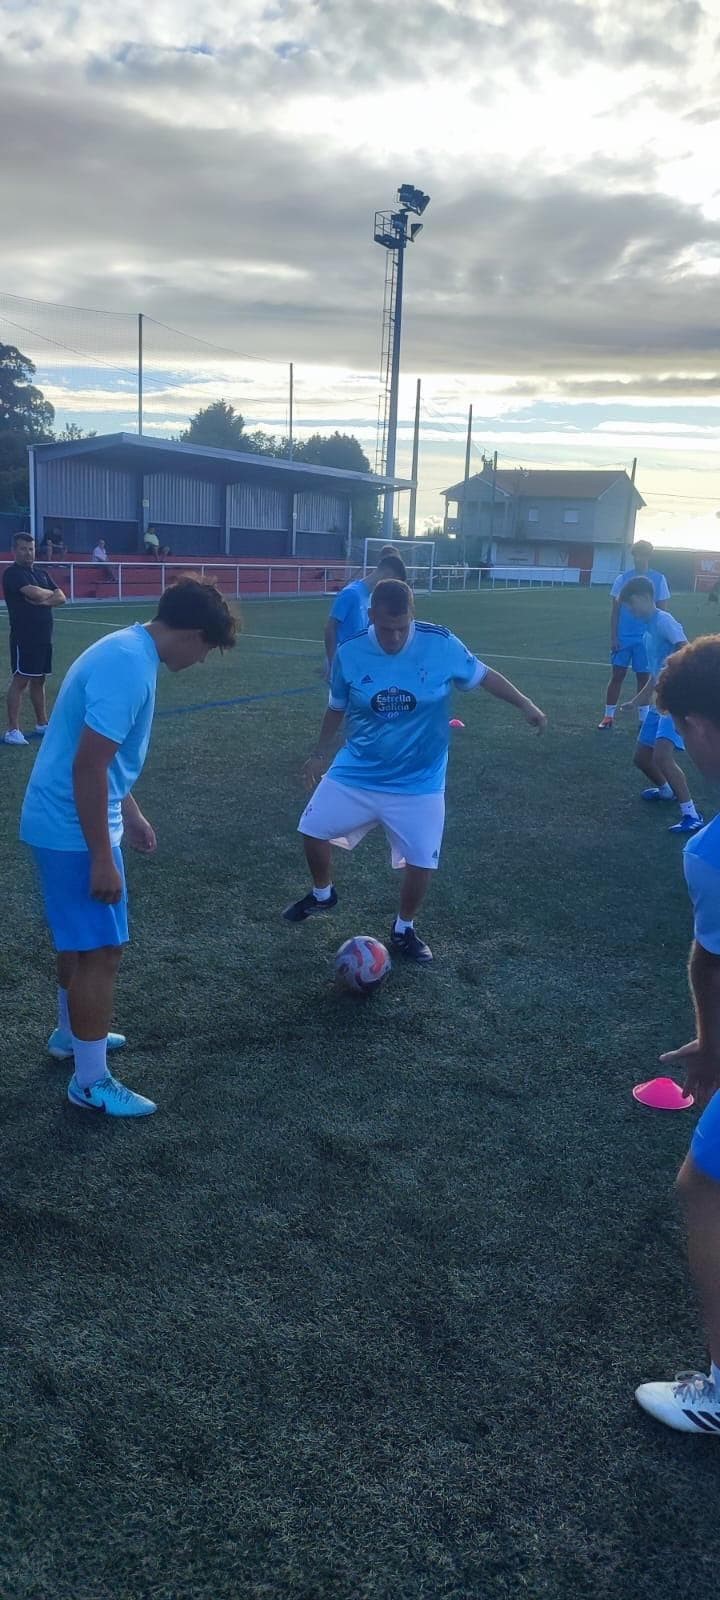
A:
701, 1057
614, 619
139, 833
37, 596
330, 639
90, 788
705, 988
642, 698
330, 727
502, 689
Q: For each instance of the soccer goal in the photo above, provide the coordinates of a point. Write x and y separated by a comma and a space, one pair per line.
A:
418, 555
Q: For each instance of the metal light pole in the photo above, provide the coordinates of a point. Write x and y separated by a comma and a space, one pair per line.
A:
394, 233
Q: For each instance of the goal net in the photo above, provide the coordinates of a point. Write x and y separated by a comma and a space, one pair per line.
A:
418, 555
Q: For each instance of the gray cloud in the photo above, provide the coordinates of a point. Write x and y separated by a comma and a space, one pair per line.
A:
125, 190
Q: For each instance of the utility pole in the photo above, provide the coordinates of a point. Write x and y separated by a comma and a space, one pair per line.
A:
468, 446
629, 517
492, 507
290, 424
140, 372
414, 469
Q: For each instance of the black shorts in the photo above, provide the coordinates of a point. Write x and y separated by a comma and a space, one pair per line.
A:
30, 660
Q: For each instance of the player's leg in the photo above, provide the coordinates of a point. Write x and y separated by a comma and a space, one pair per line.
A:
642, 678
39, 703
89, 938
620, 660
644, 759
318, 854
335, 814
60, 1043
692, 1403
666, 746
16, 689
414, 825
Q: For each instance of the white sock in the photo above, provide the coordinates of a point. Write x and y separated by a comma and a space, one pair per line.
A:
323, 894
90, 1060
610, 711
63, 1020
401, 925
715, 1375
687, 808
642, 712
666, 790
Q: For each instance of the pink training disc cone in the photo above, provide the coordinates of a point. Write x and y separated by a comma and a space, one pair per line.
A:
456, 723
662, 1094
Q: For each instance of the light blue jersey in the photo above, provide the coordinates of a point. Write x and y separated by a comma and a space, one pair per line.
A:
111, 689
351, 608
662, 636
397, 709
630, 628
701, 861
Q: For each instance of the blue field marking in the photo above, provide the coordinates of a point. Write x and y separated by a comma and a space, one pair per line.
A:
238, 700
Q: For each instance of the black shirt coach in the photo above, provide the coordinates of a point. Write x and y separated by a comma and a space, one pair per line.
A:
31, 626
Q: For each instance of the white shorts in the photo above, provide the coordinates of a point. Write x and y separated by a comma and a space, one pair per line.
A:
413, 823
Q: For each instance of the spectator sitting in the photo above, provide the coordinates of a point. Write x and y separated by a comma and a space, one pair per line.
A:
100, 559
151, 544
57, 542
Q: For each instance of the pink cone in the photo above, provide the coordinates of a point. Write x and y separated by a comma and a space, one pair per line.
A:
456, 723
663, 1094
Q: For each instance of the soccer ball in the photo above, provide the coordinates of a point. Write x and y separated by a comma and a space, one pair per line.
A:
361, 964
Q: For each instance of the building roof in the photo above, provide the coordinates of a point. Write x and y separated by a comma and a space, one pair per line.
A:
144, 454
546, 484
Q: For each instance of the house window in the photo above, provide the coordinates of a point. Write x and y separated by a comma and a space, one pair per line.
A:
533, 516
570, 516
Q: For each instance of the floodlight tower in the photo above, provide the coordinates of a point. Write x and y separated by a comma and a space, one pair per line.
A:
394, 232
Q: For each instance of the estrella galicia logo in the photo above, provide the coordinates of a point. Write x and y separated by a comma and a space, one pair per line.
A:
393, 702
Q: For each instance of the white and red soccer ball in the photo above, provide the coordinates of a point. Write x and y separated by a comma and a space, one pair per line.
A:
361, 964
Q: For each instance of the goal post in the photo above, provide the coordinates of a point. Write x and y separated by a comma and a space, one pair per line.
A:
418, 555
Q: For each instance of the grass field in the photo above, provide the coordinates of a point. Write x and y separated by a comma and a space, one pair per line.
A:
359, 1314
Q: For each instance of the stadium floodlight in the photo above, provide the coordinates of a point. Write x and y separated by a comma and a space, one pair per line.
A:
393, 232
412, 199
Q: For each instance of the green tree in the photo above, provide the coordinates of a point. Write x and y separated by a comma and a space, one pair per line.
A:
218, 427
72, 432
26, 417
23, 408
344, 451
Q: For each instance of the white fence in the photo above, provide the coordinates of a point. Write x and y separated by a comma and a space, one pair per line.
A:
144, 580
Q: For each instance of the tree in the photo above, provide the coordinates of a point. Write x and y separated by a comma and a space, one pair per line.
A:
343, 451
26, 417
72, 432
23, 408
218, 426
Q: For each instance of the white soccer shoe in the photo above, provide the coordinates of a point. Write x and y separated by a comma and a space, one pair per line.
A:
14, 736
111, 1097
690, 1405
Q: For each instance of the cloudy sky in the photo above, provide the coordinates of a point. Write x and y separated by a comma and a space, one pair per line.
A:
218, 168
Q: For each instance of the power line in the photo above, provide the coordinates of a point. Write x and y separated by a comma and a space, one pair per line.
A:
239, 355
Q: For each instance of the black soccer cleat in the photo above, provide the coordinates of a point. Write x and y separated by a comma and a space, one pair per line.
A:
309, 907
411, 946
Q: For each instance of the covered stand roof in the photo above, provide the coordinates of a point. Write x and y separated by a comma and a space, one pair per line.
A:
132, 451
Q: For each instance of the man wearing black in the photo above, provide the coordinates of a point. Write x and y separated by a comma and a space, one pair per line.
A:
30, 594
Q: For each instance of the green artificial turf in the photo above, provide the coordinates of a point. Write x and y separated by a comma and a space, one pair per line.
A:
359, 1314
